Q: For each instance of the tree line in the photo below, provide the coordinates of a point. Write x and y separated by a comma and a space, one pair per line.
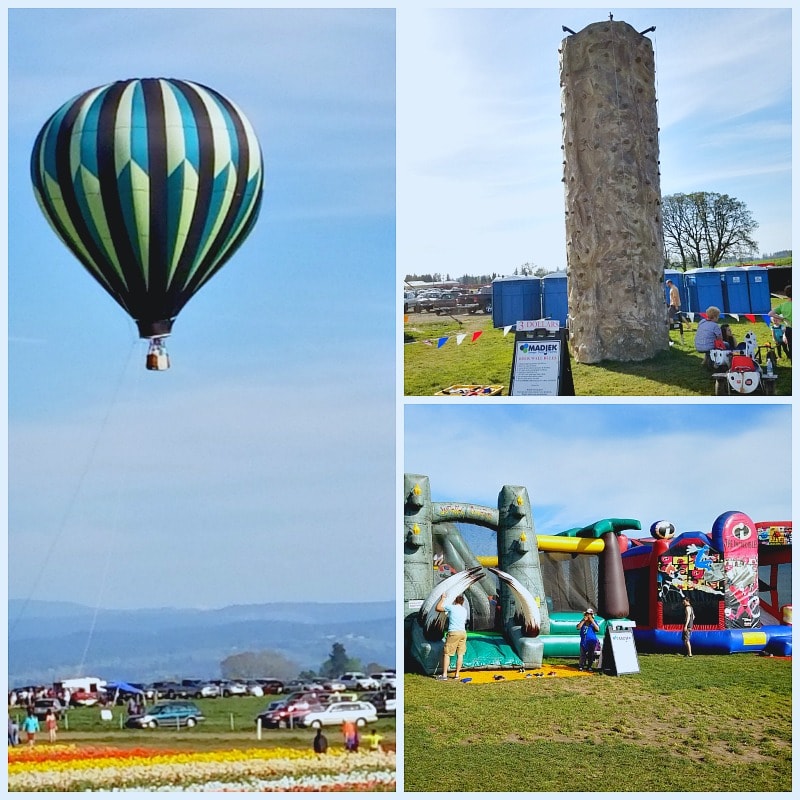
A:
272, 664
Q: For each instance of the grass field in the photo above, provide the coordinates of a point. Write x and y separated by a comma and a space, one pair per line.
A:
677, 371
710, 723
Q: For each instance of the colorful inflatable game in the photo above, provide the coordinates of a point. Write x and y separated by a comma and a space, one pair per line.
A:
738, 579
525, 599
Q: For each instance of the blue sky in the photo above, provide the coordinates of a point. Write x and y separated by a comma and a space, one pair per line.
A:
479, 131
684, 462
263, 461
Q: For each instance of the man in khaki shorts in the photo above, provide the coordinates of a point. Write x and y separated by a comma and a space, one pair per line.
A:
456, 641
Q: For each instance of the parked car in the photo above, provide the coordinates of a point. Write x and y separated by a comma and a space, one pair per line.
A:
232, 688
387, 680
44, 704
385, 702
359, 682
168, 713
304, 686
167, 689
272, 686
288, 715
333, 685
198, 689
359, 712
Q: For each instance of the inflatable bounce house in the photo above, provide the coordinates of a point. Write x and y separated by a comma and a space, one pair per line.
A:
525, 600
738, 579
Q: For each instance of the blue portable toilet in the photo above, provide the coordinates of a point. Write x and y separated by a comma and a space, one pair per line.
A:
703, 289
678, 278
758, 287
554, 297
516, 298
735, 294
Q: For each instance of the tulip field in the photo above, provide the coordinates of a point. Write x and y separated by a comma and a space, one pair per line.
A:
99, 767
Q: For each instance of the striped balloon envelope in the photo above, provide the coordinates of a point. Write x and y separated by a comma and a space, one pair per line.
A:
152, 184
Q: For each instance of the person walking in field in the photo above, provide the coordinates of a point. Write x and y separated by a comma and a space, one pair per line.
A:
688, 624
320, 743
456, 642
31, 727
51, 724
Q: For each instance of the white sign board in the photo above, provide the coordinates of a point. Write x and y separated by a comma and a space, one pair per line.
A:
536, 367
619, 652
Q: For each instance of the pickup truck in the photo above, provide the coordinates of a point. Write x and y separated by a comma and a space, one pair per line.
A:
478, 301
470, 303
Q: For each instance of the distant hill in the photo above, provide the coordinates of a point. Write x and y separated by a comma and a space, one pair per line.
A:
49, 641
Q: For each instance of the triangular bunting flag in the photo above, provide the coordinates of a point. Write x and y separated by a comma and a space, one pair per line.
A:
767, 319
507, 329
476, 335
736, 317
460, 338
442, 341
750, 317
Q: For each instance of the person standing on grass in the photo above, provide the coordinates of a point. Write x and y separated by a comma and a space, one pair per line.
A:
456, 641
350, 734
674, 310
783, 313
51, 724
320, 743
31, 727
688, 624
588, 629
374, 740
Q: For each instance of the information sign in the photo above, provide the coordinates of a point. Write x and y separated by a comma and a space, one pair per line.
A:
541, 360
618, 656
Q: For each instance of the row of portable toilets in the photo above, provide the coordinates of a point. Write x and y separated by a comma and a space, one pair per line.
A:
734, 290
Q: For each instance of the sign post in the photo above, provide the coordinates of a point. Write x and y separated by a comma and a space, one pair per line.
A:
541, 363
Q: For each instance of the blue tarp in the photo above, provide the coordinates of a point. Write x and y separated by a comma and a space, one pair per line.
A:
112, 686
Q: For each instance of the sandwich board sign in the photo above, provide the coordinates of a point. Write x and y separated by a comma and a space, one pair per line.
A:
541, 363
618, 656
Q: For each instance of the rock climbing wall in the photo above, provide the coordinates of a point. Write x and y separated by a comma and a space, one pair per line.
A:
615, 251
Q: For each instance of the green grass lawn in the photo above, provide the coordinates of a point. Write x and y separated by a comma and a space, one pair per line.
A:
677, 371
711, 723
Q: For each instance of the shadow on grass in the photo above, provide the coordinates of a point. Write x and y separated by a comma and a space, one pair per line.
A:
676, 369
679, 370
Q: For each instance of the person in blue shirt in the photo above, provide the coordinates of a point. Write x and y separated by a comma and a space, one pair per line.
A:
589, 629
456, 641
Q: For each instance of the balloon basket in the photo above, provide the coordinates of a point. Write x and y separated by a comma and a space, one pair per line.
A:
157, 356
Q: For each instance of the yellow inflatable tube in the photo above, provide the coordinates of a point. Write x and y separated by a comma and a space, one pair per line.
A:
556, 544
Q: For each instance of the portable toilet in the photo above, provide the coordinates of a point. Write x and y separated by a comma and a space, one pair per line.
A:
554, 297
516, 298
735, 294
758, 287
678, 278
703, 289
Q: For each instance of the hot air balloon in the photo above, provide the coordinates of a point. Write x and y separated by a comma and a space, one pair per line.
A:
153, 184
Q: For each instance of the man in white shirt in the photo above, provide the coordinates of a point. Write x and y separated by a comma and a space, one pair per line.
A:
456, 641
